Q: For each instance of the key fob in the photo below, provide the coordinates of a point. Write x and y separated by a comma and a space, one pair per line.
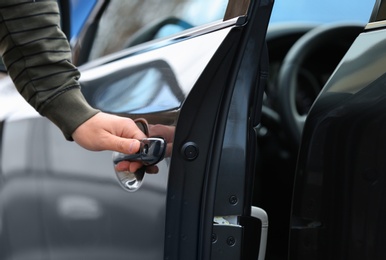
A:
151, 151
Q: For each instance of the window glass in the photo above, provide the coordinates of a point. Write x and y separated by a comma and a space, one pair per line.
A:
321, 11
380, 11
80, 10
133, 22
146, 90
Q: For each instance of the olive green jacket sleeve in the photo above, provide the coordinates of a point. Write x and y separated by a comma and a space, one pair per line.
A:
38, 58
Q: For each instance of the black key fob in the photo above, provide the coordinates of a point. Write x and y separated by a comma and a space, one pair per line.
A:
151, 151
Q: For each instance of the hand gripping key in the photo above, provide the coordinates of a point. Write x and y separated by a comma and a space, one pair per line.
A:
151, 151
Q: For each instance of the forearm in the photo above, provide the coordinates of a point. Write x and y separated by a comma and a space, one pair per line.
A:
38, 58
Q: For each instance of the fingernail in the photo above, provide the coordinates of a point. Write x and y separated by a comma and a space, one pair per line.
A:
131, 147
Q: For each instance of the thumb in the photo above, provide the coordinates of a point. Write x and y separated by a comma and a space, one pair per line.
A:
122, 145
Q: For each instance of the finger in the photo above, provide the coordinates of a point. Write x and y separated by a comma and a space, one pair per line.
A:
131, 130
169, 148
167, 132
134, 166
122, 166
122, 145
128, 166
152, 169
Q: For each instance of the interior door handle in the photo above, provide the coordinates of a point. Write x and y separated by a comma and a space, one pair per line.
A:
151, 151
262, 215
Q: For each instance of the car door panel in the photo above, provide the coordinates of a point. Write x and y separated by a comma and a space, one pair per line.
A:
213, 128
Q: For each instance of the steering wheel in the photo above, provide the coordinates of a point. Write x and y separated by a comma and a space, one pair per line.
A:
309, 43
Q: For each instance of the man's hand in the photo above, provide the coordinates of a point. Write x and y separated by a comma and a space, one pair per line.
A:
109, 132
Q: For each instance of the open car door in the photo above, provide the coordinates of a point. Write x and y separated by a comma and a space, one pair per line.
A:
201, 90
209, 212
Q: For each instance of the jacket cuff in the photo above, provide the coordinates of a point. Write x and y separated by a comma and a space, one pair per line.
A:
68, 111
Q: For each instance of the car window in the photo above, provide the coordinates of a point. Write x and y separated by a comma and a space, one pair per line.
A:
319, 11
133, 22
80, 10
147, 88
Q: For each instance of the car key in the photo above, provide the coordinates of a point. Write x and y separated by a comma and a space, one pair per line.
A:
151, 151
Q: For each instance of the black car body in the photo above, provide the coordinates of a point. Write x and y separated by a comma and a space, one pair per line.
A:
339, 202
254, 140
